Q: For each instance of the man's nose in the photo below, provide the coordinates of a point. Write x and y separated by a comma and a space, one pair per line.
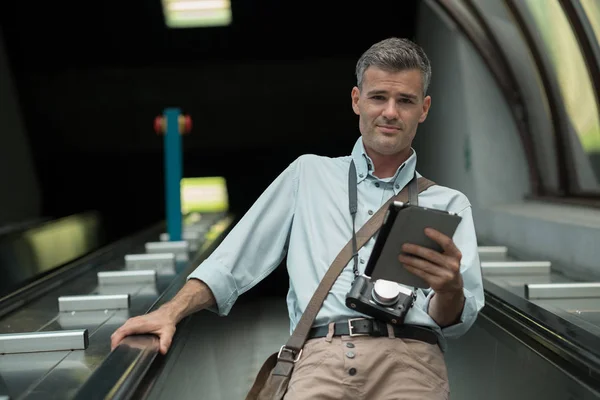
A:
390, 111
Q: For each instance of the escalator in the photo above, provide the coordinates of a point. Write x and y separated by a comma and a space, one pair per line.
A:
55, 330
517, 348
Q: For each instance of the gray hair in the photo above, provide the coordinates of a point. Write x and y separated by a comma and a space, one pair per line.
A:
394, 54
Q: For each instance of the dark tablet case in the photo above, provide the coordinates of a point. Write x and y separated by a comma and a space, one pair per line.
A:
406, 224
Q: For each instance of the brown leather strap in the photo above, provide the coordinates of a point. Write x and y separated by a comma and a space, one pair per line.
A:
285, 364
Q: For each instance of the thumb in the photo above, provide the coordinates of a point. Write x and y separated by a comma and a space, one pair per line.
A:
165, 343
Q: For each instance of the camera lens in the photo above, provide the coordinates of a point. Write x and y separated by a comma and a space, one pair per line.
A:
385, 292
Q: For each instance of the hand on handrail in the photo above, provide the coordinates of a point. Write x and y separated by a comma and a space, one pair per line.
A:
157, 322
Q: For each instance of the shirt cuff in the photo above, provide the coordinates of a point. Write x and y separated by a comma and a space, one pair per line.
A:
221, 283
467, 317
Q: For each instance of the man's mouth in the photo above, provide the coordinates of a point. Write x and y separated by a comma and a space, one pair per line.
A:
388, 128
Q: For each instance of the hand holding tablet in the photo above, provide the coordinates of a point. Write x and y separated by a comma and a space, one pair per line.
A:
406, 224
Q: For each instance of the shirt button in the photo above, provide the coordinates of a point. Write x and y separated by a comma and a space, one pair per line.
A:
350, 345
376, 184
370, 212
361, 176
397, 186
350, 354
352, 371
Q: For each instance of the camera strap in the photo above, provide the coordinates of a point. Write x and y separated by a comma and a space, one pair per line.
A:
413, 198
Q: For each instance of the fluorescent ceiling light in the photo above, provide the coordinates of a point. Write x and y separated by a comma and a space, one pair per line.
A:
196, 13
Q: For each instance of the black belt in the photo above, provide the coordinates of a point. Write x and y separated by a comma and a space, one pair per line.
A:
370, 327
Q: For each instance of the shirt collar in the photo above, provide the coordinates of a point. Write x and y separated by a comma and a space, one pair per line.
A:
364, 167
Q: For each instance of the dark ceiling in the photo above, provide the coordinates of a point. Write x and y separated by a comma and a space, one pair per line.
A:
91, 76
71, 34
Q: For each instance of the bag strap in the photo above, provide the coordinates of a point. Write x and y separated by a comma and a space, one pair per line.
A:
290, 352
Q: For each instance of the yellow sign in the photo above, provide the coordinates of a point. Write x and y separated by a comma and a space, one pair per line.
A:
206, 194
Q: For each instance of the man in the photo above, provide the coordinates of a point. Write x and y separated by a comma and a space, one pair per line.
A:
304, 214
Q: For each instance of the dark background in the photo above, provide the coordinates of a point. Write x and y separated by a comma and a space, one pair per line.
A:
91, 76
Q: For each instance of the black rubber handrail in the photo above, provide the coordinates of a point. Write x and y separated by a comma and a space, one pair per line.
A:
548, 331
120, 374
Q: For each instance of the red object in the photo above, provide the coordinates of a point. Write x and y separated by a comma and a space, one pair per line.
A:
158, 125
185, 124
188, 124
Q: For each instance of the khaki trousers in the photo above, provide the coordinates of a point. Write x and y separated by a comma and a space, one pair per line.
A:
364, 367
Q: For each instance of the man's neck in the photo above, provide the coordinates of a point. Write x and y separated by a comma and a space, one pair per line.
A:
385, 166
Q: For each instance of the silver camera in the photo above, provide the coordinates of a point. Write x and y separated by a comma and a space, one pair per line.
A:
384, 300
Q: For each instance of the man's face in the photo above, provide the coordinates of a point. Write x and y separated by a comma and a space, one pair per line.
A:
390, 106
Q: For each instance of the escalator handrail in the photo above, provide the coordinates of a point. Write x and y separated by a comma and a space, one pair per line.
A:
119, 376
123, 369
547, 332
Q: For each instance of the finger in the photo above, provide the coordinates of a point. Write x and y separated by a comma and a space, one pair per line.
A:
116, 338
165, 343
422, 265
119, 335
423, 252
446, 242
427, 277
434, 281
130, 327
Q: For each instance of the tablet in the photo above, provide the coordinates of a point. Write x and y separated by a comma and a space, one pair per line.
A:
405, 223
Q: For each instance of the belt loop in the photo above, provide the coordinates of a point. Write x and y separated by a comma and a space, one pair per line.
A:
329, 336
390, 329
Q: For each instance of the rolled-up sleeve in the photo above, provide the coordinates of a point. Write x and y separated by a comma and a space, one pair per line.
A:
255, 246
466, 241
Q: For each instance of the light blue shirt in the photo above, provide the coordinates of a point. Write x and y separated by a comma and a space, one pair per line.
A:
304, 214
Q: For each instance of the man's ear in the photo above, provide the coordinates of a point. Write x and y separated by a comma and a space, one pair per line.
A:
426, 106
355, 96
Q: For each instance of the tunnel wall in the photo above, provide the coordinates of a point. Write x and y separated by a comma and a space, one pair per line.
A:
470, 142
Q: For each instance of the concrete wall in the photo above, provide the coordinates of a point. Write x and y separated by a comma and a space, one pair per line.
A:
469, 141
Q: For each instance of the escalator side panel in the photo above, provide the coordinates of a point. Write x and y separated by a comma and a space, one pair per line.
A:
218, 357
490, 363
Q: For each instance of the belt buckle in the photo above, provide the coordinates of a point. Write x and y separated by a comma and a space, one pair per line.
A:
350, 327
